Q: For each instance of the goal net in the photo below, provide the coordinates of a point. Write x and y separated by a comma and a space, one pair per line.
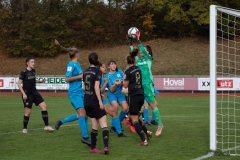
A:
224, 80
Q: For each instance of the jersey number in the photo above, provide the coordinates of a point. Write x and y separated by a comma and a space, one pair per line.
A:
138, 78
87, 83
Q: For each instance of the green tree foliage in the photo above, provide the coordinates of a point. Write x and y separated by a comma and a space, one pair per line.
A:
30, 26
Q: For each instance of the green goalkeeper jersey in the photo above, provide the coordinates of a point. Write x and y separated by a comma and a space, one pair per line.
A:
145, 64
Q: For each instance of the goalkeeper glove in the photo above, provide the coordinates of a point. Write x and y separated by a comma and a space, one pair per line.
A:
129, 40
138, 36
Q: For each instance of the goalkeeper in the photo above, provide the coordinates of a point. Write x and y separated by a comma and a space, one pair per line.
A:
144, 62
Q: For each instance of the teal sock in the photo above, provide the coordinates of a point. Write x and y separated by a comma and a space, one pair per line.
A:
122, 115
145, 115
70, 118
82, 126
86, 121
112, 125
116, 124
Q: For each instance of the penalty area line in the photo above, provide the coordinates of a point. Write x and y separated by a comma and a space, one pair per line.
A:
210, 154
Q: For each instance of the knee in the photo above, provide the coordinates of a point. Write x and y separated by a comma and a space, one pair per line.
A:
27, 112
81, 112
43, 106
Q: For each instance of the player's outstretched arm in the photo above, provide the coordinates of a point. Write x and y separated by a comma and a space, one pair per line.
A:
142, 49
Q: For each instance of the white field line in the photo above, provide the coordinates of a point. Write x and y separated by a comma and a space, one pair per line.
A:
69, 125
210, 154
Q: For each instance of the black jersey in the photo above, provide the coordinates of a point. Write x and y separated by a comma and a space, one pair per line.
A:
29, 80
134, 76
91, 75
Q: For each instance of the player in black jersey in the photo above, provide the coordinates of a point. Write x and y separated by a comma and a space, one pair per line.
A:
133, 81
93, 103
27, 86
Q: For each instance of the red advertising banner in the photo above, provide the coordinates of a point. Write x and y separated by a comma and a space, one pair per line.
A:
226, 83
1, 82
176, 83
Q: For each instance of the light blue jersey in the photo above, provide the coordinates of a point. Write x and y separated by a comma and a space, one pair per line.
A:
117, 95
112, 77
75, 91
102, 83
74, 69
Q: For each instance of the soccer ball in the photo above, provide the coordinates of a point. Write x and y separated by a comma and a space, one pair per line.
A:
132, 32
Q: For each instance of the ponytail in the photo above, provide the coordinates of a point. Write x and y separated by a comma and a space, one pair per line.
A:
149, 49
93, 59
132, 55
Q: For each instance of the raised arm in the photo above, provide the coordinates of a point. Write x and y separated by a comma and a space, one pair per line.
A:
142, 49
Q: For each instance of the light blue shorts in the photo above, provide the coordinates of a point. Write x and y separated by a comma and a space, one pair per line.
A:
119, 98
104, 101
146, 98
77, 100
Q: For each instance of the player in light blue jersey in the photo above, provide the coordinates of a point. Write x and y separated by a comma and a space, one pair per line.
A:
115, 96
74, 77
108, 108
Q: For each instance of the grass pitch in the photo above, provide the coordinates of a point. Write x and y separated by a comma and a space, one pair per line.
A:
185, 134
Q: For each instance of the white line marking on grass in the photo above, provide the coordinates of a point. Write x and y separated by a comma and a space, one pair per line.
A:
69, 125
1, 134
182, 116
210, 154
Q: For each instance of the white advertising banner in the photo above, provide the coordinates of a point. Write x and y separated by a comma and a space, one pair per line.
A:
222, 84
7, 83
177, 83
51, 83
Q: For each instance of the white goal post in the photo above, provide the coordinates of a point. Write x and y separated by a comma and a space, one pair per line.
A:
224, 65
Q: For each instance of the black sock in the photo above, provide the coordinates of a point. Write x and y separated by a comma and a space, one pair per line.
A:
144, 128
25, 121
105, 134
94, 135
45, 117
139, 130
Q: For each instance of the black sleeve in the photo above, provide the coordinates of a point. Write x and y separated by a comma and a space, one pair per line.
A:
99, 76
22, 75
126, 77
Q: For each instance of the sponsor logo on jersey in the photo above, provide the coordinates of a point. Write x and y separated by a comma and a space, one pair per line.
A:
69, 69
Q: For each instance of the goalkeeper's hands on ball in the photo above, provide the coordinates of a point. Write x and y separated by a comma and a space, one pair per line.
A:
138, 35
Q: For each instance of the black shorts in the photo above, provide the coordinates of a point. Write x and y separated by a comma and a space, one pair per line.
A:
35, 98
135, 104
94, 111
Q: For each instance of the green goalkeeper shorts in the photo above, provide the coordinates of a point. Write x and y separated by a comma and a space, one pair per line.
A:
149, 92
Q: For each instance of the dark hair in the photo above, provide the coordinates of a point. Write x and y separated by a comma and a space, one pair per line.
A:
149, 49
93, 59
28, 59
99, 65
132, 55
112, 61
